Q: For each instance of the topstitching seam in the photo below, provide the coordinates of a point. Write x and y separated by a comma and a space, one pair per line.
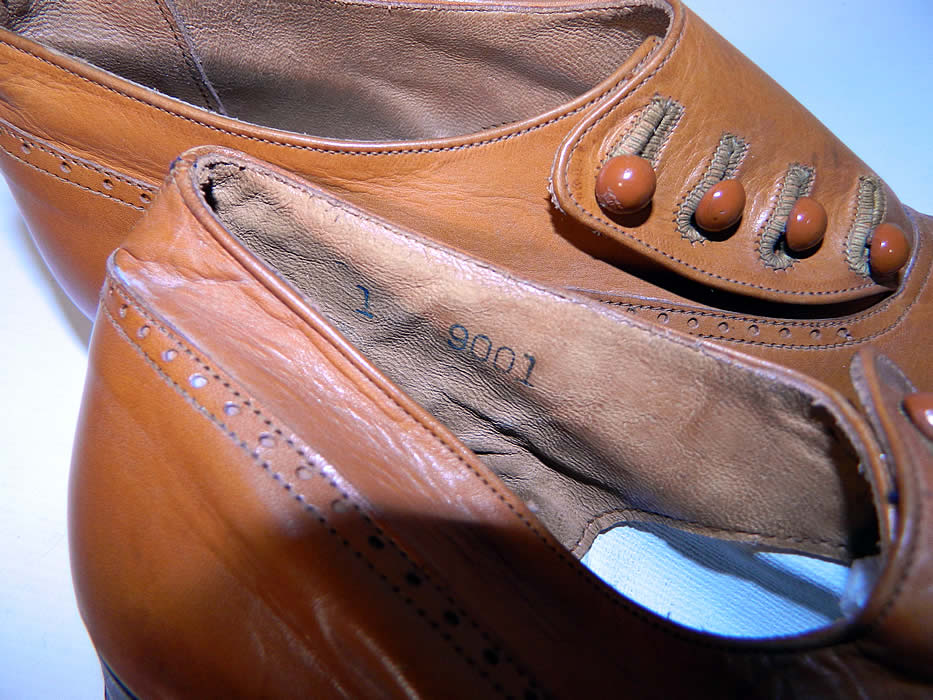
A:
193, 73
338, 151
33, 141
70, 182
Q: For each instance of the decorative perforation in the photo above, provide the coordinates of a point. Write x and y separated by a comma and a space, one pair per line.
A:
750, 330
870, 208
797, 183
66, 167
724, 165
651, 131
316, 487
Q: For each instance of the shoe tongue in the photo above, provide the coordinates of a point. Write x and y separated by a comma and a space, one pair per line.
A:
591, 417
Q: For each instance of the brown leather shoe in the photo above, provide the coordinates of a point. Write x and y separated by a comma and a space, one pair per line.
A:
503, 163
258, 511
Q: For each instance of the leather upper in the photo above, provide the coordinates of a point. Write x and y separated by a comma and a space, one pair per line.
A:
236, 453
520, 195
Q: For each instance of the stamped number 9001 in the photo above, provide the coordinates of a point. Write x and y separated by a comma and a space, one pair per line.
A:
481, 347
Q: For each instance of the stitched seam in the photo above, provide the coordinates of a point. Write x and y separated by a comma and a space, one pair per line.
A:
33, 142
69, 182
842, 323
581, 210
581, 12
835, 544
318, 149
870, 209
710, 314
916, 529
724, 164
651, 131
183, 49
254, 455
772, 243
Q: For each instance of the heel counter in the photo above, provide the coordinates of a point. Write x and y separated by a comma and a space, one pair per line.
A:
200, 571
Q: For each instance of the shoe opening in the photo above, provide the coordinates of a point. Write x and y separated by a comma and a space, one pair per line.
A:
362, 71
726, 497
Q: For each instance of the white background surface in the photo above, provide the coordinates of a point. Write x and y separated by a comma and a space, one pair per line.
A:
864, 67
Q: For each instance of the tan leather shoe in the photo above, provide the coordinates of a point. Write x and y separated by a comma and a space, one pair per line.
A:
503, 162
258, 511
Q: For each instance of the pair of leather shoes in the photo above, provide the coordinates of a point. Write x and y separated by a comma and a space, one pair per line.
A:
324, 455
759, 230
268, 468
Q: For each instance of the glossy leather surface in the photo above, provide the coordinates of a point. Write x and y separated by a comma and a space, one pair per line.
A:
271, 470
489, 193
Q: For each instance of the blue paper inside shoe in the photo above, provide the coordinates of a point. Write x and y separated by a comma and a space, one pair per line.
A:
726, 588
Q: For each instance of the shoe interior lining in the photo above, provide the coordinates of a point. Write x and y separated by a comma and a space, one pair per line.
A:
572, 405
358, 70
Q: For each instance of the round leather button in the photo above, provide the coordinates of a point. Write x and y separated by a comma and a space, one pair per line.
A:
625, 184
721, 206
889, 250
805, 225
919, 408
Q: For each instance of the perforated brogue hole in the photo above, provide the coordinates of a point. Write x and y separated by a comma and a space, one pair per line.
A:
303, 473
145, 198
784, 332
198, 381
267, 440
412, 579
662, 318
753, 330
169, 355
376, 542
121, 312
340, 505
65, 168
815, 334
451, 618
108, 184
231, 409
142, 332
692, 323
25, 149
723, 327
843, 333
490, 656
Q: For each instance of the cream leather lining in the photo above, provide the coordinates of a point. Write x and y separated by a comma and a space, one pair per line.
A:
590, 417
368, 71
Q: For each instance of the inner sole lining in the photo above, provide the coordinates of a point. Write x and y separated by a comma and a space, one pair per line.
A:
483, 359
